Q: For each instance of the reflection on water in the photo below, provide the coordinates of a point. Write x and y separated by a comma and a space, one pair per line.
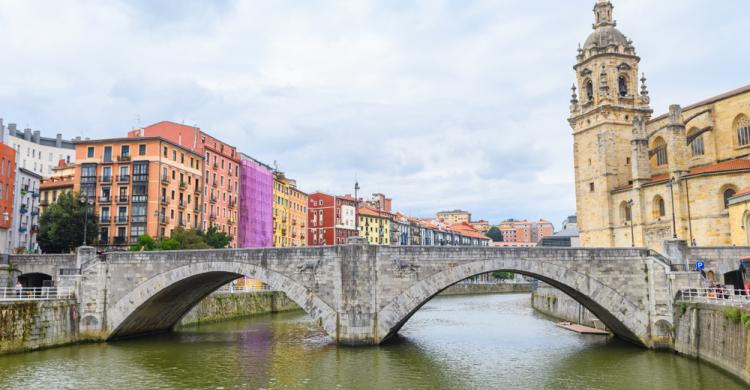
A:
491, 341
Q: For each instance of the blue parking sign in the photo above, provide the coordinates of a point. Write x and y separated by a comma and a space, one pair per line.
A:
700, 265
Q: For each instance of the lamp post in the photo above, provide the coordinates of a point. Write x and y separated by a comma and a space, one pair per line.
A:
632, 229
356, 204
670, 185
85, 203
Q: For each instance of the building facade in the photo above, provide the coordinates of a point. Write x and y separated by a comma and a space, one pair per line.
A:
7, 191
453, 217
375, 225
331, 219
35, 153
221, 173
256, 204
25, 219
60, 181
643, 179
289, 212
139, 185
524, 233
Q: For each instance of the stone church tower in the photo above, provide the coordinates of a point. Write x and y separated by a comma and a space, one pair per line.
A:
607, 112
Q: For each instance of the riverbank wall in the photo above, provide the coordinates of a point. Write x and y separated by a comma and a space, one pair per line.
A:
715, 334
222, 306
498, 288
556, 304
30, 325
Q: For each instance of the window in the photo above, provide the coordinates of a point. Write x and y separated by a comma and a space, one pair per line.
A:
696, 147
743, 130
107, 154
659, 209
728, 193
90, 152
125, 151
142, 150
165, 151
622, 86
591, 187
174, 155
660, 151
589, 90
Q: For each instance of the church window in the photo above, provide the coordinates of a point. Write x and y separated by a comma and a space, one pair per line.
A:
660, 150
659, 208
696, 147
728, 193
589, 90
622, 84
743, 130
625, 214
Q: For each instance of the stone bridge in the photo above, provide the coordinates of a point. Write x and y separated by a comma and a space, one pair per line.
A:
359, 294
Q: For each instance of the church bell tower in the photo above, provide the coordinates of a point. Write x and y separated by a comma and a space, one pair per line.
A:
604, 106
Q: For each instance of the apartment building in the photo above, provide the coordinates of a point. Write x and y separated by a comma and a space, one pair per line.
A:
332, 219
7, 183
289, 212
61, 180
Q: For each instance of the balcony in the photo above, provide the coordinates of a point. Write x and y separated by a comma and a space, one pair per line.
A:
138, 219
164, 220
123, 178
216, 166
88, 179
183, 185
106, 179
181, 205
105, 199
122, 199
124, 157
212, 217
105, 219
214, 185
35, 194
22, 228
133, 239
44, 202
24, 209
120, 240
140, 178
164, 201
121, 219
181, 224
35, 212
140, 198
213, 199
197, 209
232, 203
197, 190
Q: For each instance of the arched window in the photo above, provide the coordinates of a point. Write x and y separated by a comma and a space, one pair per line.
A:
660, 150
697, 147
589, 90
659, 208
622, 86
742, 124
728, 193
625, 214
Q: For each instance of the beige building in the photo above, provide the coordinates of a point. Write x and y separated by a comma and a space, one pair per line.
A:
630, 167
454, 217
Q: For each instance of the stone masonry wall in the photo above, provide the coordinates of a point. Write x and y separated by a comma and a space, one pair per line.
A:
499, 288
705, 332
555, 303
228, 306
29, 325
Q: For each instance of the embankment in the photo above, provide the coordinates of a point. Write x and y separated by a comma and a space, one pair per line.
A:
229, 306
30, 325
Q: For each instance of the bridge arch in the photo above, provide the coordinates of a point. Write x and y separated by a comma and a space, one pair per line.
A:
613, 308
157, 304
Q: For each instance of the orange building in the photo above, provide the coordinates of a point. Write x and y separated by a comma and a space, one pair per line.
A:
139, 185
61, 180
221, 173
7, 178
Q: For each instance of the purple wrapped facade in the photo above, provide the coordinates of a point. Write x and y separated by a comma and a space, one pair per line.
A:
256, 204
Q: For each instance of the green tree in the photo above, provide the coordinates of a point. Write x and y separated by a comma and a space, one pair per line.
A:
145, 243
187, 239
495, 234
502, 275
168, 244
216, 239
61, 225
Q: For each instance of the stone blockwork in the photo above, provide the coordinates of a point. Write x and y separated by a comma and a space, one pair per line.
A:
29, 325
361, 294
714, 334
228, 306
556, 304
498, 288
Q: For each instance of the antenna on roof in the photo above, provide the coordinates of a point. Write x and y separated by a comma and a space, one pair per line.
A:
138, 121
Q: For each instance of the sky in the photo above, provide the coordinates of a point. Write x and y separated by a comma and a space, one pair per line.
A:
440, 104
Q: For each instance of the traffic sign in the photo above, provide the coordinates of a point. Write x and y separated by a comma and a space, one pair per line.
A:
700, 265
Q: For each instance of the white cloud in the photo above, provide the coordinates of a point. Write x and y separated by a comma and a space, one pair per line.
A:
440, 104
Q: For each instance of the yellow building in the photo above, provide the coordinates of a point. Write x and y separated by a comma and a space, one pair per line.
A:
289, 212
60, 181
454, 217
631, 167
375, 225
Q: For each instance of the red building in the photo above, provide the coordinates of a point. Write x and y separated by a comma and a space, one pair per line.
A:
221, 173
332, 219
7, 178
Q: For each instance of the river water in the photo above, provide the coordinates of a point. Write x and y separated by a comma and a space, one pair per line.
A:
465, 342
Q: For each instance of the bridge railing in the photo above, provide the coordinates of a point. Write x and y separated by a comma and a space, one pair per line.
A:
718, 296
35, 293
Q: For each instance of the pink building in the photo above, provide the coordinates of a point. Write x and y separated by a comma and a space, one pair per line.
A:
256, 204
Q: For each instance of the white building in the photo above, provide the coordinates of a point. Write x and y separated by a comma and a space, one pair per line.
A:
35, 158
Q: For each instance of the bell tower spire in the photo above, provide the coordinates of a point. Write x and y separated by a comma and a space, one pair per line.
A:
603, 14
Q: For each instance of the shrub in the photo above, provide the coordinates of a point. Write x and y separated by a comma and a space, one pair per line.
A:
733, 314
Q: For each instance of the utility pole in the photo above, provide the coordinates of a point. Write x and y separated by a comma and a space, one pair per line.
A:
356, 204
671, 195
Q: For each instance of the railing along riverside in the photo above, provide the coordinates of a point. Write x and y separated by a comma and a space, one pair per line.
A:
719, 296
35, 293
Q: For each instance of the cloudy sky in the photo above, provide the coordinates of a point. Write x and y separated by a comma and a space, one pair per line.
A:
438, 103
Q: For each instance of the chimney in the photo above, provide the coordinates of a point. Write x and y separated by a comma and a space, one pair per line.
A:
27, 134
12, 128
37, 135
58, 140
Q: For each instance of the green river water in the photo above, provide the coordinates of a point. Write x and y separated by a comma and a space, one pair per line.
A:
465, 342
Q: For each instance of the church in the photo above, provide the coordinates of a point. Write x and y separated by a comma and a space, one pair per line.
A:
642, 178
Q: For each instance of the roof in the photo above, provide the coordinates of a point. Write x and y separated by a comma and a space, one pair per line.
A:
742, 192
714, 99
731, 165
30, 173
371, 212
134, 139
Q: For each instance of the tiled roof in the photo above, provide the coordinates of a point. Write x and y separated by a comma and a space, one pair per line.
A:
731, 165
742, 192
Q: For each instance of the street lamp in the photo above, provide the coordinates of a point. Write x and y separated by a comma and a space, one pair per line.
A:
632, 230
670, 185
85, 203
356, 204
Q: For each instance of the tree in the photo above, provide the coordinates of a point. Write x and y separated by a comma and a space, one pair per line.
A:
186, 239
62, 224
495, 234
502, 275
144, 243
216, 239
